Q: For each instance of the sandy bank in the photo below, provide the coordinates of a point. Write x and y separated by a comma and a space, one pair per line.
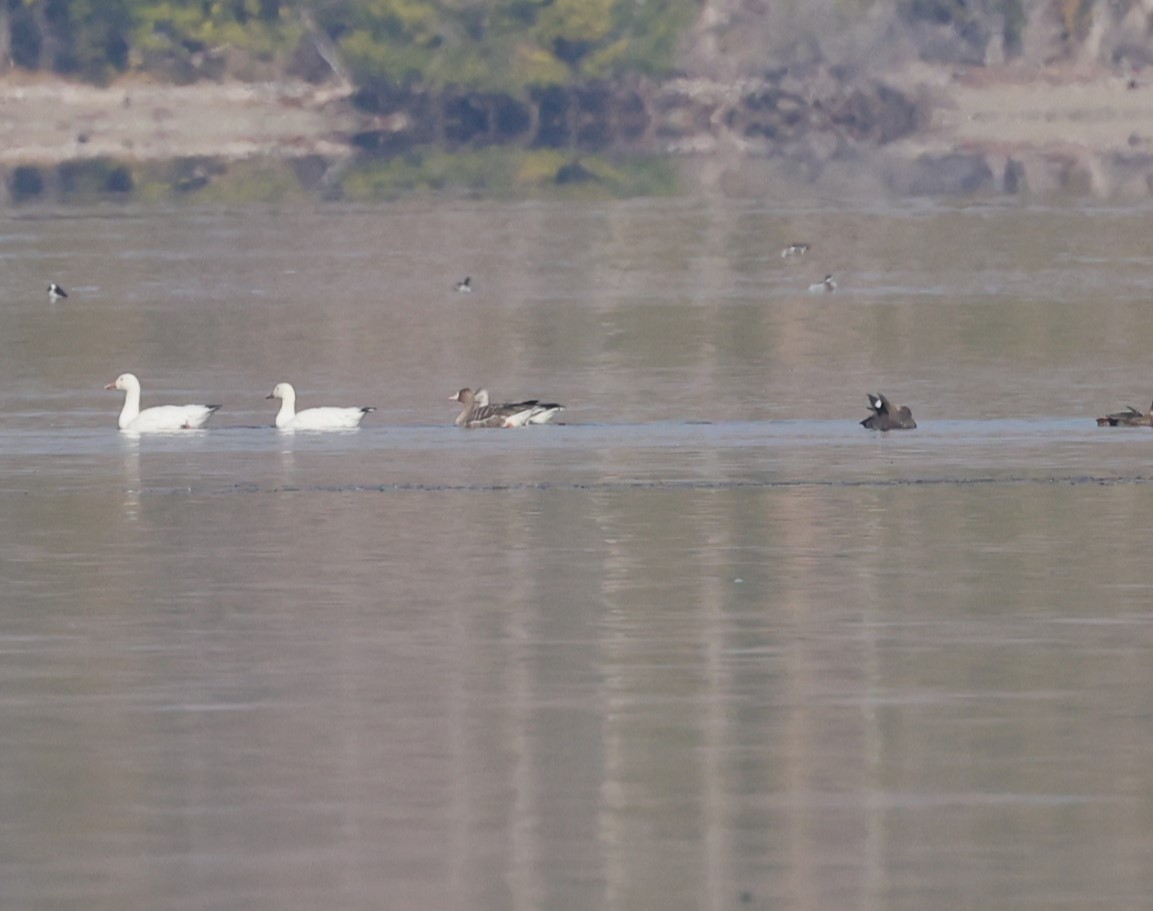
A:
981, 111
990, 111
51, 122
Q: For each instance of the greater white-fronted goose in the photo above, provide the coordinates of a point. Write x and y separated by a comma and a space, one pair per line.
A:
479, 412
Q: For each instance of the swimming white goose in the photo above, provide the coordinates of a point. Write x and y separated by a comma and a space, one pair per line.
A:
478, 412
55, 292
323, 418
159, 417
464, 285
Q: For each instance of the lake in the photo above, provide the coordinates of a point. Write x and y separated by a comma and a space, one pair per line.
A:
706, 643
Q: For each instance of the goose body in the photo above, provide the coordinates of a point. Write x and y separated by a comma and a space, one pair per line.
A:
159, 417
464, 285
479, 412
55, 292
323, 418
794, 250
886, 417
1130, 417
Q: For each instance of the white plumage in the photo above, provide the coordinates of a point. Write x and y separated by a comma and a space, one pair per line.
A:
159, 417
323, 418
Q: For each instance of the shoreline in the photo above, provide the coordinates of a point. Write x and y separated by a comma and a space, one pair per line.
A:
1002, 111
48, 122
1045, 131
45, 121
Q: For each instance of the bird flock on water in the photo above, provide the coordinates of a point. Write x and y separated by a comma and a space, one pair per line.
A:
478, 410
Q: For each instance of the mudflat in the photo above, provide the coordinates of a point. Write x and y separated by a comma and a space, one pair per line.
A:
1007, 110
50, 121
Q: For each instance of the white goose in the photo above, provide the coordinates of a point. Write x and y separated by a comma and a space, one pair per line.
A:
160, 417
324, 418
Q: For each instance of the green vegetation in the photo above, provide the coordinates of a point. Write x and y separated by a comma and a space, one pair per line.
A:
173, 27
514, 174
504, 45
99, 39
490, 172
485, 45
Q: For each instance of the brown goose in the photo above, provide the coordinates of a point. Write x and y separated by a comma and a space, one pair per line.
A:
478, 412
1130, 417
885, 417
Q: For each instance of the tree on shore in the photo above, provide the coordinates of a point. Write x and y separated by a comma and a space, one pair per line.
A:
479, 44
516, 45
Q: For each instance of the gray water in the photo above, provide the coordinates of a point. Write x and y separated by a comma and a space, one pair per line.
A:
709, 644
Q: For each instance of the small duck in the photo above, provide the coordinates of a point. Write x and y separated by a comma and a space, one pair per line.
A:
322, 418
55, 292
885, 417
794, 250
1130, 417
827, 285
159, 418
478, 412
464, 286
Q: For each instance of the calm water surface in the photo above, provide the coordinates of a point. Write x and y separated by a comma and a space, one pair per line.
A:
707, 645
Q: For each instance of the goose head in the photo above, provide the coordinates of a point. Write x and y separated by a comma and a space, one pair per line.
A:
125, 381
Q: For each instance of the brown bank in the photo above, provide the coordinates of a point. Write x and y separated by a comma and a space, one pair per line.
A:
930, 129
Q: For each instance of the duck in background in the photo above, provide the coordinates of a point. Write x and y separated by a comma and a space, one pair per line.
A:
827, 285
885, 417
1130, 417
